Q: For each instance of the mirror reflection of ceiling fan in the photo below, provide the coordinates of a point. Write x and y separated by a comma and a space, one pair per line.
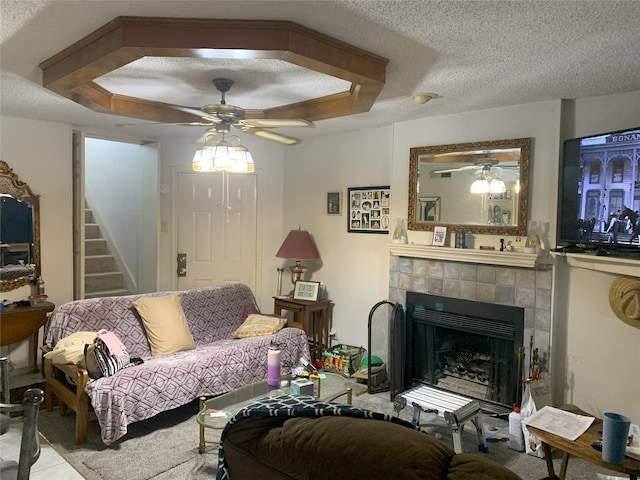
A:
484, 164
222, 116
479, 164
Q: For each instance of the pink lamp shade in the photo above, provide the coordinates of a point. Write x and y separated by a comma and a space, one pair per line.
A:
298, 246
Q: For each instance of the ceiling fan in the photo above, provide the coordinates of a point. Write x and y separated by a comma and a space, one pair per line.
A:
222, 116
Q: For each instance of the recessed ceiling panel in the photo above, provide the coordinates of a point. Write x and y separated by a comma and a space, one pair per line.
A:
155, 67
258, 83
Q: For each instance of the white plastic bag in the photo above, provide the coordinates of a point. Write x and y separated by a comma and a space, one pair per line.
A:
532, 444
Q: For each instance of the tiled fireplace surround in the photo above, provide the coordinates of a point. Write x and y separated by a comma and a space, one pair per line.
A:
527, 287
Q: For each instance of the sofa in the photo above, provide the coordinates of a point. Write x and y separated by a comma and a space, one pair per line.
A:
297, 437
211, 362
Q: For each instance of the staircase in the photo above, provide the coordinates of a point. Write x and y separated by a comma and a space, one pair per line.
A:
101, 275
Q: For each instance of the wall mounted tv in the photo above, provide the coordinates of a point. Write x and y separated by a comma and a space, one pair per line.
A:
599, 194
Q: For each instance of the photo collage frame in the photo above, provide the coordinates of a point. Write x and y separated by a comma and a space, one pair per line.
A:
369, 209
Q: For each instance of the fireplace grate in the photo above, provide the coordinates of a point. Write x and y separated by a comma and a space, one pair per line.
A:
465, 346
482, 326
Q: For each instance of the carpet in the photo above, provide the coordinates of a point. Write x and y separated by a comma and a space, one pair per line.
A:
165, 447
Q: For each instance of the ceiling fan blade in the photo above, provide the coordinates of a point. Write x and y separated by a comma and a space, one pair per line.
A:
459, 169
186, 124
277, 122
201, 113
269, 135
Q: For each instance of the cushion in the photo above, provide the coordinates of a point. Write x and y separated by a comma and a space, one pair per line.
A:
256, 325
71, 349
335, 447
165, 324
330, 447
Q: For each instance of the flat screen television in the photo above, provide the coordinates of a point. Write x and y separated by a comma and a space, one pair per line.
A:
599, 194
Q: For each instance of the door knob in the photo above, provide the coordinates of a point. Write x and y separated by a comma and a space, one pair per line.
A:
182, 264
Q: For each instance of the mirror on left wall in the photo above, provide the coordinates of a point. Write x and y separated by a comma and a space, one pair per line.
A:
19, 231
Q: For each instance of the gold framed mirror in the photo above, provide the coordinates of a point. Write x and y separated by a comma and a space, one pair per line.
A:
478, 187
19, 231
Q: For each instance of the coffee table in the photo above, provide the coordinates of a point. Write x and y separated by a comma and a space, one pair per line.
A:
582, 448
332, 387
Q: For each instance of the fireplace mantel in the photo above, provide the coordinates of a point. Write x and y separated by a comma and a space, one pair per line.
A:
467, 255
589, 261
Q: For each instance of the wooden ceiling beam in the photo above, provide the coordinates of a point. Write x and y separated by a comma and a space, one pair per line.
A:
72, 72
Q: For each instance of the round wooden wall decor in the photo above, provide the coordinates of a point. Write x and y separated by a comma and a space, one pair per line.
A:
624, 298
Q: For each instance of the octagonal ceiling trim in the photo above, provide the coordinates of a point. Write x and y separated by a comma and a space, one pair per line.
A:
71, 73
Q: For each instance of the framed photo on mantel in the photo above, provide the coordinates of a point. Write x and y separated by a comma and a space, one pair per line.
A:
439, 236
369, 209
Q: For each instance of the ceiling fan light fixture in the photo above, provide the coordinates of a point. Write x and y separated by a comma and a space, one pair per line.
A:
203, 159
497, 185
480, 185
223, 156
243, 160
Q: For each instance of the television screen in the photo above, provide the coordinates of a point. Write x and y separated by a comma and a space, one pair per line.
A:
599, 193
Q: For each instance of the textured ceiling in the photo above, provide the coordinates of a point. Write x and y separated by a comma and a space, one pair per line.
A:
473, 54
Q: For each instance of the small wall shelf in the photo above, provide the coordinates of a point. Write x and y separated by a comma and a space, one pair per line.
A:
589, 261
467, 255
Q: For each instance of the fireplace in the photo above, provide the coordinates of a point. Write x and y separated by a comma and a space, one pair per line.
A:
465, 346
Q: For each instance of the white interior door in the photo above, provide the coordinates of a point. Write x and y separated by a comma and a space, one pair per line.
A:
217, 218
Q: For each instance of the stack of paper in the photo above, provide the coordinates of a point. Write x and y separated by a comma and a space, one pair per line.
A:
559, 422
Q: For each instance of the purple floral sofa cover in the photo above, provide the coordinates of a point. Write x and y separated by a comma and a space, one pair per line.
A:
218, 364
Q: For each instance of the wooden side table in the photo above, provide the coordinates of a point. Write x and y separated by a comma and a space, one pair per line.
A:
582, 448
18, 323
313, 317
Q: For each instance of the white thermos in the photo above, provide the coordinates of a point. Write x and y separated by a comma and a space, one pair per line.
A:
273, 366
516, 437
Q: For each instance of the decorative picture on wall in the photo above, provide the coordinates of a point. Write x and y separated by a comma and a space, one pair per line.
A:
439, 236
369, 209
334, 203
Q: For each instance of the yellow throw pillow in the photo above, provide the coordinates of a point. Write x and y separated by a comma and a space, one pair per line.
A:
257, 325
165, 324
70, 349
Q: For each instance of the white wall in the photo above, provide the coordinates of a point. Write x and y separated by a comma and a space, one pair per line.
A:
601, 369
40, 154
354, 266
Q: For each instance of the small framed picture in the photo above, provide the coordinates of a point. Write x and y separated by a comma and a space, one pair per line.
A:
334, 203
304, 290
439, 235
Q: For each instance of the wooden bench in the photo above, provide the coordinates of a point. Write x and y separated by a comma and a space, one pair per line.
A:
69, 396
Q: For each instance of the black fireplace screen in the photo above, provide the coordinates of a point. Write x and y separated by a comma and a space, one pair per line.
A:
465, 346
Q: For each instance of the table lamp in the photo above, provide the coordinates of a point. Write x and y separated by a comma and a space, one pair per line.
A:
298, 246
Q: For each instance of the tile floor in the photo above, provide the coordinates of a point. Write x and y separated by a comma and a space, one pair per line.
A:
50, 465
